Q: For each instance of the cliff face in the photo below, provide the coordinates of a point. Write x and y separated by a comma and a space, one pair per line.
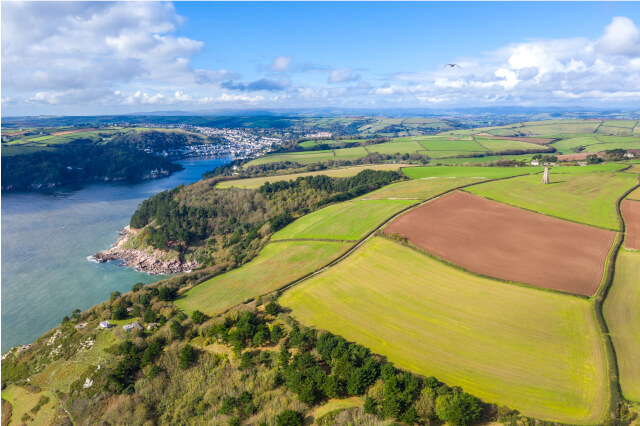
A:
152, 261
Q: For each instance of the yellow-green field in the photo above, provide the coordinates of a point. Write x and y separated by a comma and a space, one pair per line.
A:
277, 264
395, 147
505, 144
635, 195
351, 220
23, 400
421, 189
534, 351
588, 198
623, 319
463, 171
253, 183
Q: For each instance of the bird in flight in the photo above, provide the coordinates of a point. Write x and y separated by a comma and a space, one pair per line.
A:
452, 66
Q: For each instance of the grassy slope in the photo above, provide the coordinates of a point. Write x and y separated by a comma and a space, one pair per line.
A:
503, 144
564, 146
253, 183
277, 265
585, 198
534, 351
345, 221
472, 160
451, 145
606, 167
623, 319
22, 401
394, 147
462, 171
421, 189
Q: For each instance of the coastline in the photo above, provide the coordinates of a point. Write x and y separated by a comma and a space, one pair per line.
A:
149, 262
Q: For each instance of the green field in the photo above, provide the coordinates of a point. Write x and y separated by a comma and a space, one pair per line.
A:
447, 145
534, 351
23, 400
585, 198
395, 147
297, 157
564, 146
623, 319
612, 145
350, 153
421, 189
277, 265
253, 183
463, 171
606, 167
351, 220
506, 145
471, 160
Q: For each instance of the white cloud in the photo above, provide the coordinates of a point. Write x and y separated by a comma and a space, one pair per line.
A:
621, 37
343, 75
281, 64
57, 52
541, 72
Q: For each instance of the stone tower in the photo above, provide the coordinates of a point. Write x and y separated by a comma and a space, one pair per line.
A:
545, 176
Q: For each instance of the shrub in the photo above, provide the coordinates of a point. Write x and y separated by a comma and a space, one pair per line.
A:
272, 308
187, 356
198, 317
458, 408
289, 418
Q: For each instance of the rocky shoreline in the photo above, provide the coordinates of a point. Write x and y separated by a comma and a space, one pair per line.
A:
149, 262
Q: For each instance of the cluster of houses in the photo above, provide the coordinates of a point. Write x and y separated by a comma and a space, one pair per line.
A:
129, 327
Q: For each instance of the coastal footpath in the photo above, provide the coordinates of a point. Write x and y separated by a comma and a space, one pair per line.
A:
152, 262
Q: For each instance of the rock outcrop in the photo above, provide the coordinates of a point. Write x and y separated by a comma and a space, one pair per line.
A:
152, 262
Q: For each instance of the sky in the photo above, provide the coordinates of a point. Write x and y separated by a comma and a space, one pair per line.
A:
91, 58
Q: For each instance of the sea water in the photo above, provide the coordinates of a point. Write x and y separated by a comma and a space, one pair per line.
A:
47, 237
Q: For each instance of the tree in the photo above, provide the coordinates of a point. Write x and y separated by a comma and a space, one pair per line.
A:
458, 408
187, 356
272, 308
149, 316
370, 406
166, 294
276, 333
177, 331
114, 295
118, 311
284, 356
198, 317
137, 287
289, 418
246, 361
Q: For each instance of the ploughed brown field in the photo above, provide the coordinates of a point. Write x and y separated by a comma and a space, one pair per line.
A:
539, 141
574, 157
631, 215
497, 240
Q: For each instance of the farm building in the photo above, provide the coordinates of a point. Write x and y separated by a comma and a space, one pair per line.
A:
132, 326
105, 324
152, 326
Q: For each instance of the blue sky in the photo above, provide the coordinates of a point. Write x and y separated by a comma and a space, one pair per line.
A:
103, 58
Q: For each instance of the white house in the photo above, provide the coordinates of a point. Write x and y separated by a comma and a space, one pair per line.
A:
105, 324
132, 326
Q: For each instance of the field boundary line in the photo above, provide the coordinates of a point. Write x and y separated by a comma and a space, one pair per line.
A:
477, 274
615, 390
544, 214
372, 234
278, 291
323, 240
